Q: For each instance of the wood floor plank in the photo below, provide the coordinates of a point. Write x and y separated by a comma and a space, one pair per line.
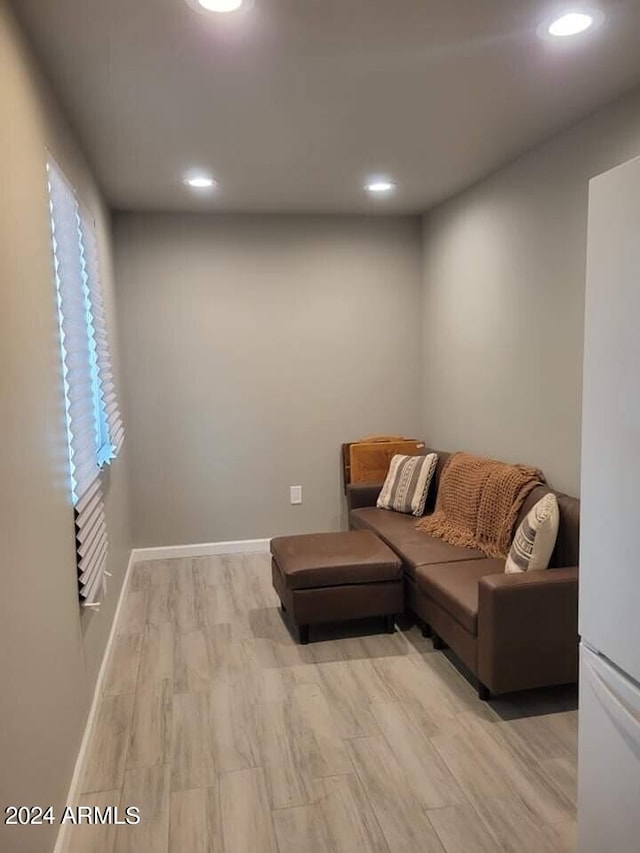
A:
453, 689
302, 828
148, 789
150, 739
563, 836
226, 653
416, 644
373, 646
213, 599
195, 824
247, 823
477, 769
161, 571
269, 624
539, 738
107, 754
430, 779
372, 687
140, 576
182, 598
515, 828
257, 587
564, 773
193, 763
234, 579
134, 613
253, 667
191, 671
122, 674
349, 816
544, 794
321, 748
322, 651
150, 573
156, 656
234, 726
277, 684
421, 699
460, 830
208, 572
159, 604
98, 838
402, 818
282, 755
524, 778
350, 703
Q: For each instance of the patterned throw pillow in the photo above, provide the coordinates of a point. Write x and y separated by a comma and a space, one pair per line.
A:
536, 537
407, 483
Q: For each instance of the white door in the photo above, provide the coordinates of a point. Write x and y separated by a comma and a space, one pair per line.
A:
610, 507
609, 759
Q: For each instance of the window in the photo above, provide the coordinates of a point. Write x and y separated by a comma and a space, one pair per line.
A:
94, 426
110, 429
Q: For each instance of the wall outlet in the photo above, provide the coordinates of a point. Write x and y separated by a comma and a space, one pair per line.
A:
296, 494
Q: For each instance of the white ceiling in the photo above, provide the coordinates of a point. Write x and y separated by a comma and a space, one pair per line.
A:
294, 102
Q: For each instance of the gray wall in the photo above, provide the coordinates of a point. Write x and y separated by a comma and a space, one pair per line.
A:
504, 276
253, 346
50, 651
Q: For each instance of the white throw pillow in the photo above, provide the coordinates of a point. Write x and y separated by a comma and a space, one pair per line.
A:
407, 484
535, 538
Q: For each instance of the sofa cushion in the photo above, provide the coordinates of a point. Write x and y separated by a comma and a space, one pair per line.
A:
535, 538
407, 483
567, 550
414, 547
454, 586
331, 559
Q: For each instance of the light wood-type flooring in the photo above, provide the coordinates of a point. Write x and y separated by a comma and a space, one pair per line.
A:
232, 738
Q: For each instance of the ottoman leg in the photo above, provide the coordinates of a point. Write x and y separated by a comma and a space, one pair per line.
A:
390, 623
438, 642
304, 634
426, 630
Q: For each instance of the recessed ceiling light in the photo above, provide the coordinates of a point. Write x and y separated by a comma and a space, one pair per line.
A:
571, 23
379, 186
220, 5
200, 182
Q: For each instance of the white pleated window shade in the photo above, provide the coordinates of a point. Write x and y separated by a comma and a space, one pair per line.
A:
81, 394
108, 405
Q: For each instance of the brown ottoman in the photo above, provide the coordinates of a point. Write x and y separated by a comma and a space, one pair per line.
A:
331, 577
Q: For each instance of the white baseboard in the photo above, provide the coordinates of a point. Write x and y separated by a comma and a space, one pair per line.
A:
74, 788
205, 549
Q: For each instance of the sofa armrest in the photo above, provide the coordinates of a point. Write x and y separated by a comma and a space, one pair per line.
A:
362, 494
528, 629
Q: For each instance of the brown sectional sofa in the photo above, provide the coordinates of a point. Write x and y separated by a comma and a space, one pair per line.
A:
513, 632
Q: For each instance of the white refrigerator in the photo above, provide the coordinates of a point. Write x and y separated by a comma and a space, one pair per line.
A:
609, 717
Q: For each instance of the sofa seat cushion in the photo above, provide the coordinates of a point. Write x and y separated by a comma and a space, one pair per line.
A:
454, 586
332, 559
414, 547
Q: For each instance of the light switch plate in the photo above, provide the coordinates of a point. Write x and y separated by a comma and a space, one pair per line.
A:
296, 494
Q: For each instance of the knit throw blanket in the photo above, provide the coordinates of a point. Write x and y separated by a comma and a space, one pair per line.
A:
478, 502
